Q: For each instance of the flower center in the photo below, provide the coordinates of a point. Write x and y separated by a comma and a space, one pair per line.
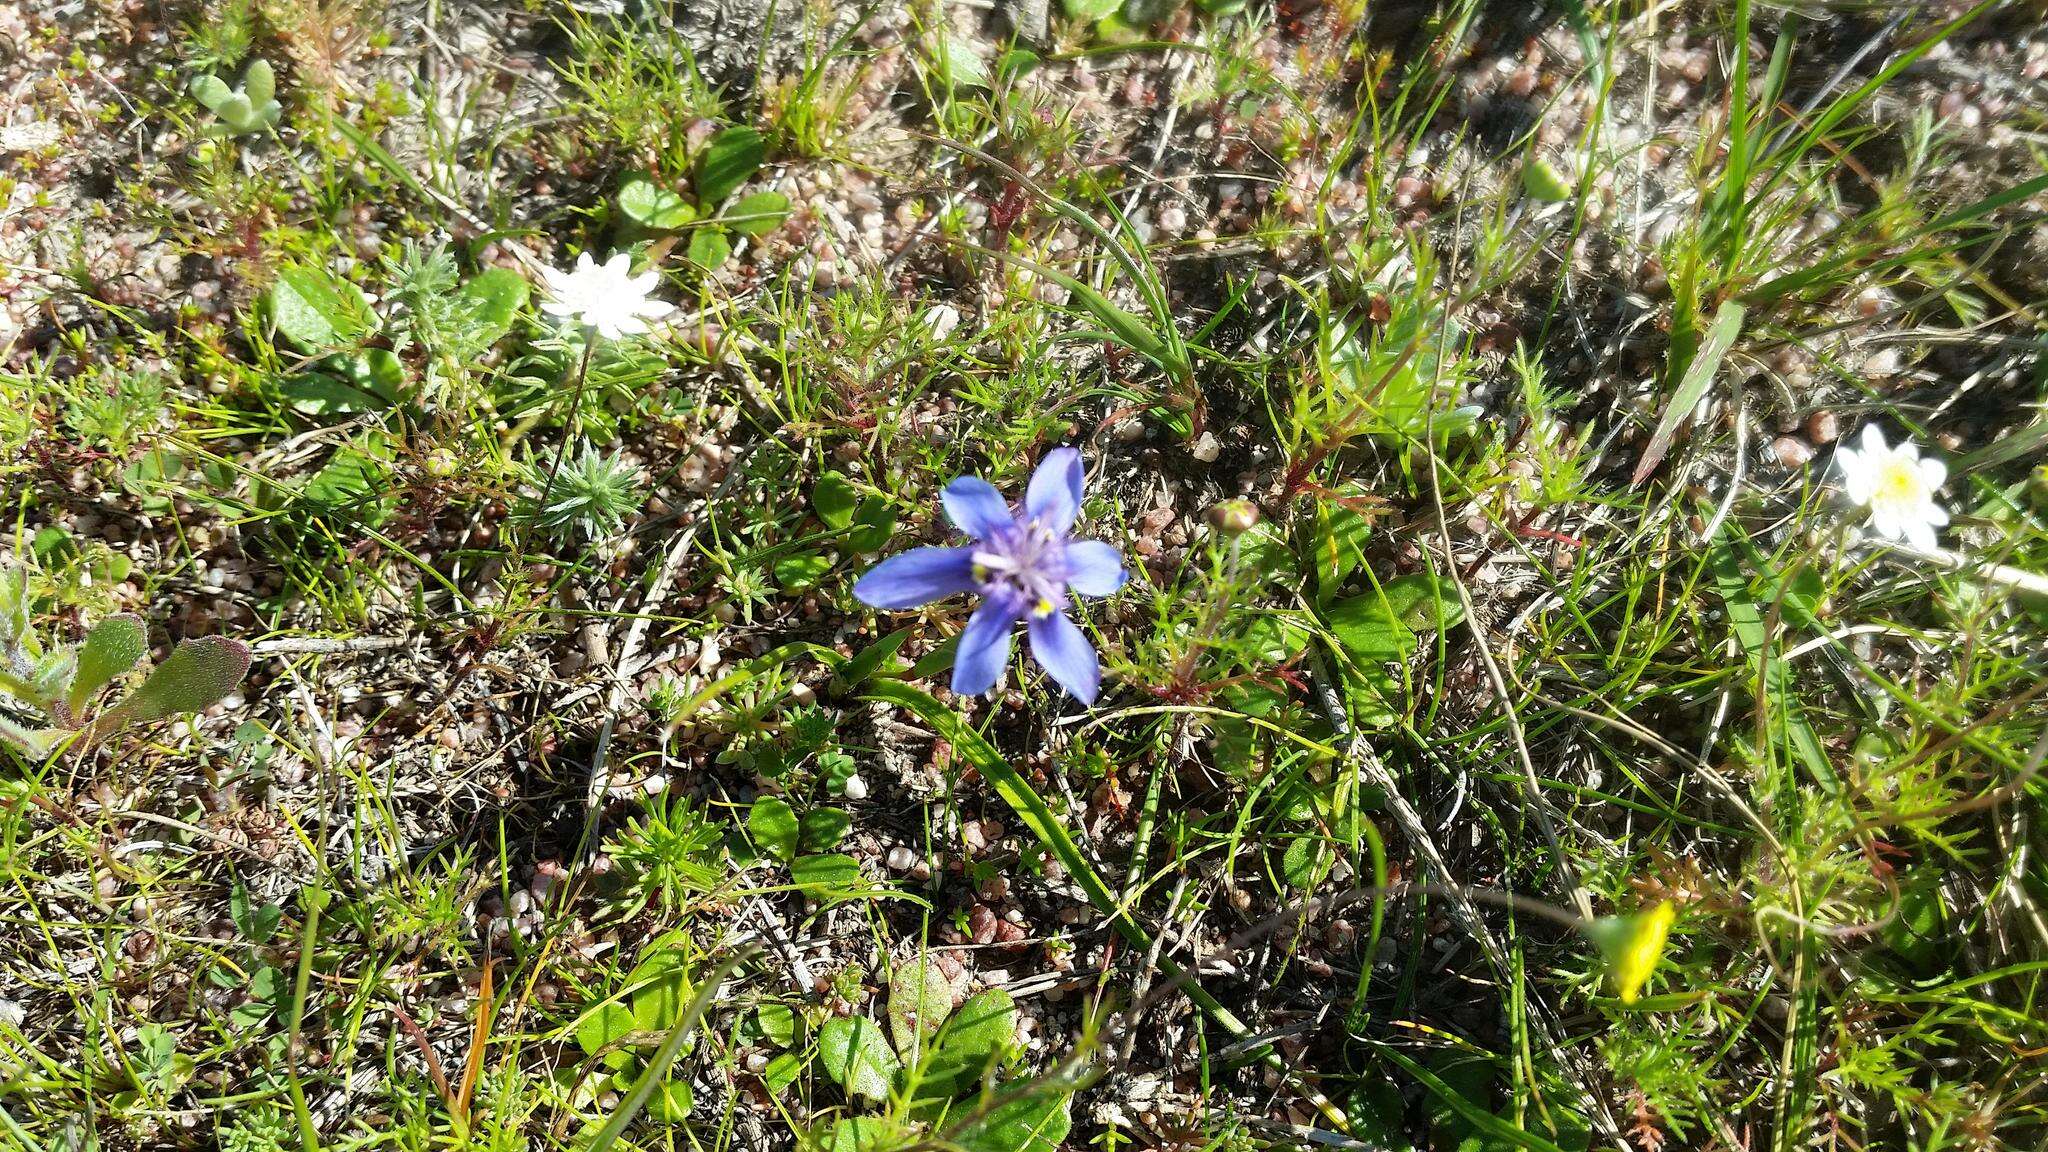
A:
1026, 564
1897, 484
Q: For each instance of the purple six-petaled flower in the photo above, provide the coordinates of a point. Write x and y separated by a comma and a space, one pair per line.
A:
1023, 564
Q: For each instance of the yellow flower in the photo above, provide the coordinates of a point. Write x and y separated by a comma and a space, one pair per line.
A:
1632, 946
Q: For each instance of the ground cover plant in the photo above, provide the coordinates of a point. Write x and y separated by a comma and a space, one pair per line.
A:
1023, 575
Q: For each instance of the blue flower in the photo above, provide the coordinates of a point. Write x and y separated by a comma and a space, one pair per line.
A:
1023, 564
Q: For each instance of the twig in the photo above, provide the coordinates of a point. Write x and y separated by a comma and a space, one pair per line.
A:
325, 645
2017, 579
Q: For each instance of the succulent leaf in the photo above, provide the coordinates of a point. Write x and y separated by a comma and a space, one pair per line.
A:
259, 83
211, 91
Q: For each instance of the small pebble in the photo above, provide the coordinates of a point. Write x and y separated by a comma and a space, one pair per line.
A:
1791, 451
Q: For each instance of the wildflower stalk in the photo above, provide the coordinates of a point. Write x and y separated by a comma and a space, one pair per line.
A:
547, 488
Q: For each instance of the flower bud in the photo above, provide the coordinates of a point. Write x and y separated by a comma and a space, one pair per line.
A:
1234, 516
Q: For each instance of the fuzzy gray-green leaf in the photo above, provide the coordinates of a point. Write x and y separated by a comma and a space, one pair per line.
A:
37, 744
192, 678
114, 645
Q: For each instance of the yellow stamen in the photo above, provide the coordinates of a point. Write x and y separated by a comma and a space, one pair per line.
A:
1896, 483
1042, 609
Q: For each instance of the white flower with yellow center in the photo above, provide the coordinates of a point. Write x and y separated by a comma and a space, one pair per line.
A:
1897, 486
605, 298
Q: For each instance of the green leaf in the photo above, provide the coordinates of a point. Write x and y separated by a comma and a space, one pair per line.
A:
980, 1037
321, 396
1306, 862
777, 1022
670, 1102
652, 206
795, 573
36, 744
1917, 932
864, 1134
786, 1069
709, 249
1341, 533
50, 676
857, 1057
239, 114
211, 91
259, 83
758, 214
264, 986
317, 312
833, 498
658, 1064
942, 1077
256, 922
351, 478
773, 825
920, 999
605, 1026
730, 160
1015, 63
376, 371
1031, 809
1148, 13
1091, 10
956, 64
873, 525
1037, 1122
828, 878
870, 659
1424, 601
1369, 629
195, 676
1541, 181
984, 1026
114, 645
1798, 597
821, 829
1472, 1113
498, 296
663, 991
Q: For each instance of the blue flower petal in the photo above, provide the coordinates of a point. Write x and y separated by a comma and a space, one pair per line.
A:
975, 507
1094, 568
1054, 498
917, 578
1065, 653
984, 652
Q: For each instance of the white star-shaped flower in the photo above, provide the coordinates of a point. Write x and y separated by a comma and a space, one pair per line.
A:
1897, 486
604, 298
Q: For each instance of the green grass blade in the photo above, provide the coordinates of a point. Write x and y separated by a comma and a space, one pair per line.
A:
1698, 375
1854, 260
1486, 1121
1746, 619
